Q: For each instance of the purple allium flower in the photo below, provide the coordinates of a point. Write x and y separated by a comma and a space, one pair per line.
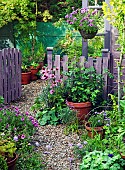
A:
23, 136
110, 155
15, 138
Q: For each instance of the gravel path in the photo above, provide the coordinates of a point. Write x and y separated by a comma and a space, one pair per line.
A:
55, 146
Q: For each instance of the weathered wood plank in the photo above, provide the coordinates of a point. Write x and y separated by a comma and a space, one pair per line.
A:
65, 65
57, 67
1, 73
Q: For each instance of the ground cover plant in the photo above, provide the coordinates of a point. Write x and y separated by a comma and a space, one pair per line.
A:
16, 130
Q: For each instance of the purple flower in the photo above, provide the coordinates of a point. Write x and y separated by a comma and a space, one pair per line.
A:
74, 18
27, 113
14, 129
85, 142
70, 144
17, 114
31, 118
67, 16
91, 25
80, 145
51, 91
23, 136
90, 20
94, 12
110, 155
22, 119
7, 125
15, 138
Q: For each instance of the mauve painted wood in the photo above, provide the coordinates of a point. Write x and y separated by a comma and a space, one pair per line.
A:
57, 66
19, 73
10, 74
1, 74
65, 65
98, 65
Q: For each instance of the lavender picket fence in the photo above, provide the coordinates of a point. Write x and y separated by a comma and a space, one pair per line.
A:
10, 74
100, 64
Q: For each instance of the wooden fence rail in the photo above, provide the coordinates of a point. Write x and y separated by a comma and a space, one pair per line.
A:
10, 74
100, 64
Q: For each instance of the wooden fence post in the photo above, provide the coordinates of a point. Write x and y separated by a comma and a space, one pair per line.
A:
105, 53
49, 57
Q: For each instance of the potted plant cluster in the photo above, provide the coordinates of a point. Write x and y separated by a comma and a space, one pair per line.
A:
83, 88
84, 20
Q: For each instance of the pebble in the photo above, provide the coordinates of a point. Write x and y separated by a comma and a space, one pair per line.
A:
55, 146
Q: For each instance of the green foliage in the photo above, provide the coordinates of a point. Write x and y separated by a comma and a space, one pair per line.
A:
102, 160
83, 84
71, 45
48, 106
7, 147
29, 159
17, 125
3, 164
98, 119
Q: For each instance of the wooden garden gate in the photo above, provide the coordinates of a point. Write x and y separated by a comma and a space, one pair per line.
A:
10, 74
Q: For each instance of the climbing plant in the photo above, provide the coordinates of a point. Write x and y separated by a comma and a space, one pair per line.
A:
115, 13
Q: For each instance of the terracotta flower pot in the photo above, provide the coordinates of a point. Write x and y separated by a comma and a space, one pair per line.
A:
122, 156
93, 131
82, 109
12, 163
34, 72
25, 78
